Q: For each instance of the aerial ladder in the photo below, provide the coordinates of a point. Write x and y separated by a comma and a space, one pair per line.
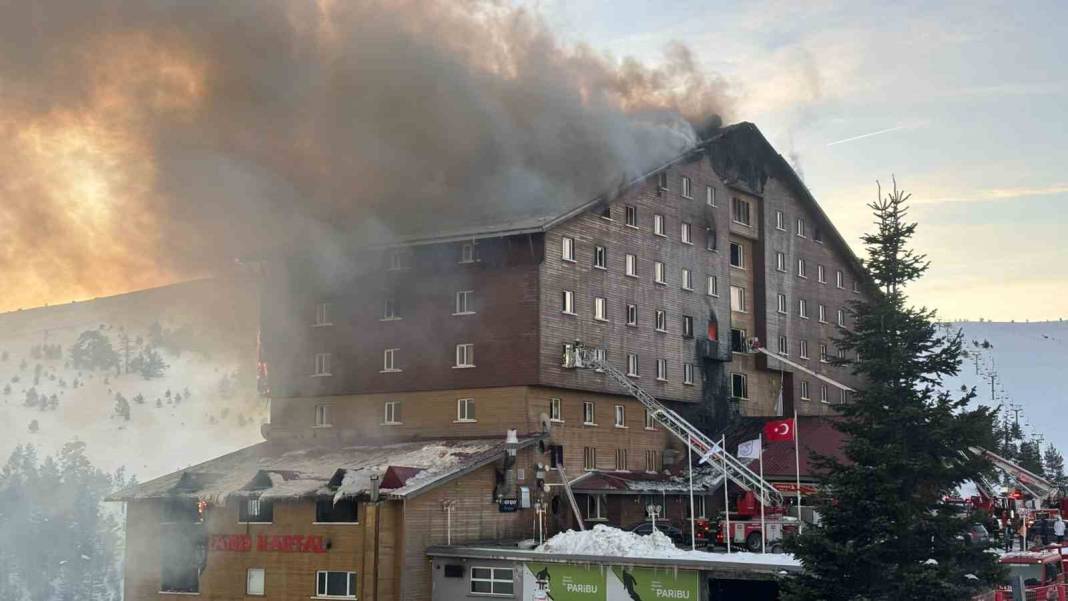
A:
1033, 484
580, 356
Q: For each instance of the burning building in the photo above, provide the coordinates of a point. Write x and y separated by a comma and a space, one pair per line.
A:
395, 373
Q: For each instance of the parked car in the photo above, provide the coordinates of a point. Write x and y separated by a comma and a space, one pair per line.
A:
977, 534
675, 534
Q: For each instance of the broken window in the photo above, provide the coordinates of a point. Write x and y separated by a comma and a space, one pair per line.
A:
710, 239
739, 386
343, 511
255, 511
737, 340
737, 255
740, 211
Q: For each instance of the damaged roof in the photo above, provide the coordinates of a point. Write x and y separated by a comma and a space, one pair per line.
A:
705, 479
271, 471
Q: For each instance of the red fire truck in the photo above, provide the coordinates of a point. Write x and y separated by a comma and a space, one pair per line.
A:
1042, 573
745, 526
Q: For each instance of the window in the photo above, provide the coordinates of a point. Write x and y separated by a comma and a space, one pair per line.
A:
823, 352
713, 286
843, 396
555, 411
465, 410
662, 180
804, 390
780, 261
600, 309
465, 355
738, 344
600, 257
391, 415
803, 349
342, 511
632, 365
322, 416
595, 506
588, 413
739, 386
710, 239
801, 227
492, 581
606, 213
780, 221
784, 346
389, 359
389, 309
737, 255
465, 302
841, 318
336, 584
823, 313
839, 280
660, 320
687, 279
802, 308
632, 266
801, 269
568, 305
398, 259
322, 364
687, 192
621, 416
823, 393
687, 373
687, 326
658, 273
589, 458
710, 196
686, 233
567, 248
817, 234
658, 225
738, 299
322, 315
621, 460
630, 216
821, 274
650, 420
856, 284
740, 211
661, 370
782, 303
467, 252
840, 353
254, 582
651, 463
255, 511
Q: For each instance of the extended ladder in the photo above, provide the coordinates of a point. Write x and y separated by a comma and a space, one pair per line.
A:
571, 497
580, 356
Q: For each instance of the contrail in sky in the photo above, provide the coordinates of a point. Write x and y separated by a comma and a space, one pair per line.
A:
867, 135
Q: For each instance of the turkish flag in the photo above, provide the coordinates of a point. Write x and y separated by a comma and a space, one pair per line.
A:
782, 429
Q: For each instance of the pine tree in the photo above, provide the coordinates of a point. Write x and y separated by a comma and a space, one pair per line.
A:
1053, 464
1030, 457
885, 532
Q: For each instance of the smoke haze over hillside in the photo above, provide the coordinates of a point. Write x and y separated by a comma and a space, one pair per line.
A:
150, 141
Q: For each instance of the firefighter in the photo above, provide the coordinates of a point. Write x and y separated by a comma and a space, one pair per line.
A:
1058, 529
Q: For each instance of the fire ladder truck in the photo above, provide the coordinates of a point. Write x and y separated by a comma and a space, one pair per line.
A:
579, 356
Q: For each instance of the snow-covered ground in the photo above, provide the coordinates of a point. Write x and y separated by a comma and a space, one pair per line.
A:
205, 404
613, 542
1028, 360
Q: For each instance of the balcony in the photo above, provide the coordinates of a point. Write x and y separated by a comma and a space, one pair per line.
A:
713, 350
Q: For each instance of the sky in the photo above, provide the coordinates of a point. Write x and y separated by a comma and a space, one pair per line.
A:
964, 103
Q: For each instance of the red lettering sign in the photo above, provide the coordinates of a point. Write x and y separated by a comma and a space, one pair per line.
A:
269, 543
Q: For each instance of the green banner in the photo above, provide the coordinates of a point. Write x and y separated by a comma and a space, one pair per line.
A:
571, 583
651, 584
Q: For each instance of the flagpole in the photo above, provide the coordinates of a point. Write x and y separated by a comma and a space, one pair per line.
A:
726, 496
797, 465
693, 516
763, 527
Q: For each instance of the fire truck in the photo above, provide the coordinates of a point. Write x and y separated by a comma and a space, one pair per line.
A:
756, 490
744, 527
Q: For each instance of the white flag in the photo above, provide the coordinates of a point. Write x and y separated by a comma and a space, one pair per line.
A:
708, 455
749, 449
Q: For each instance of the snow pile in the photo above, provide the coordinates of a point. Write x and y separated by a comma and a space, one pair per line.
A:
613, 542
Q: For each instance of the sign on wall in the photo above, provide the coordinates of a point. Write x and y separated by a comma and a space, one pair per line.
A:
277, 543
650, 584
567, 582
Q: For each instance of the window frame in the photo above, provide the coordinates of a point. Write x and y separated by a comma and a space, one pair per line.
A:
567, 302
467, 253
633, 366
801, 228
389, 309
783, 304
556, 410
661, 370
630, 216
840, 318
322, 586
589, 413
743, 305
822, 312
740, 255
741, 208
780, 221
802, 349
784, 346
687, 188
600, 308
659, 273
589, 458
713, 285
780, 261
262, 582
465, 411
600, 257
659, 225
630, 265
619, 416
466, 304
322, 367
805, 393
465, 355
660, 320
802, 308
492, 580
322, 416
322, 315
821, 273
744, 380
802, 268
687, 374
839, 279
389, 361
687, 279
686, 233
710, 195
567, 249
687, 326
391, 413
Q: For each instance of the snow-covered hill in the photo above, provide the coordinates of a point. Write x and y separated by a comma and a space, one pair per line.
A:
204, 404
1029, 361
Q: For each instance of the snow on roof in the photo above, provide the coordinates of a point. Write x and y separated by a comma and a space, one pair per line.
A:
271, 471
705, 479
613, 542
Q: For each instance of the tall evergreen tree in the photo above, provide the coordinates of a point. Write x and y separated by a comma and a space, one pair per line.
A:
1053, 464
885, 532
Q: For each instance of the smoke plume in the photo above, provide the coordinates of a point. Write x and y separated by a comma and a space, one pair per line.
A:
144, 141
